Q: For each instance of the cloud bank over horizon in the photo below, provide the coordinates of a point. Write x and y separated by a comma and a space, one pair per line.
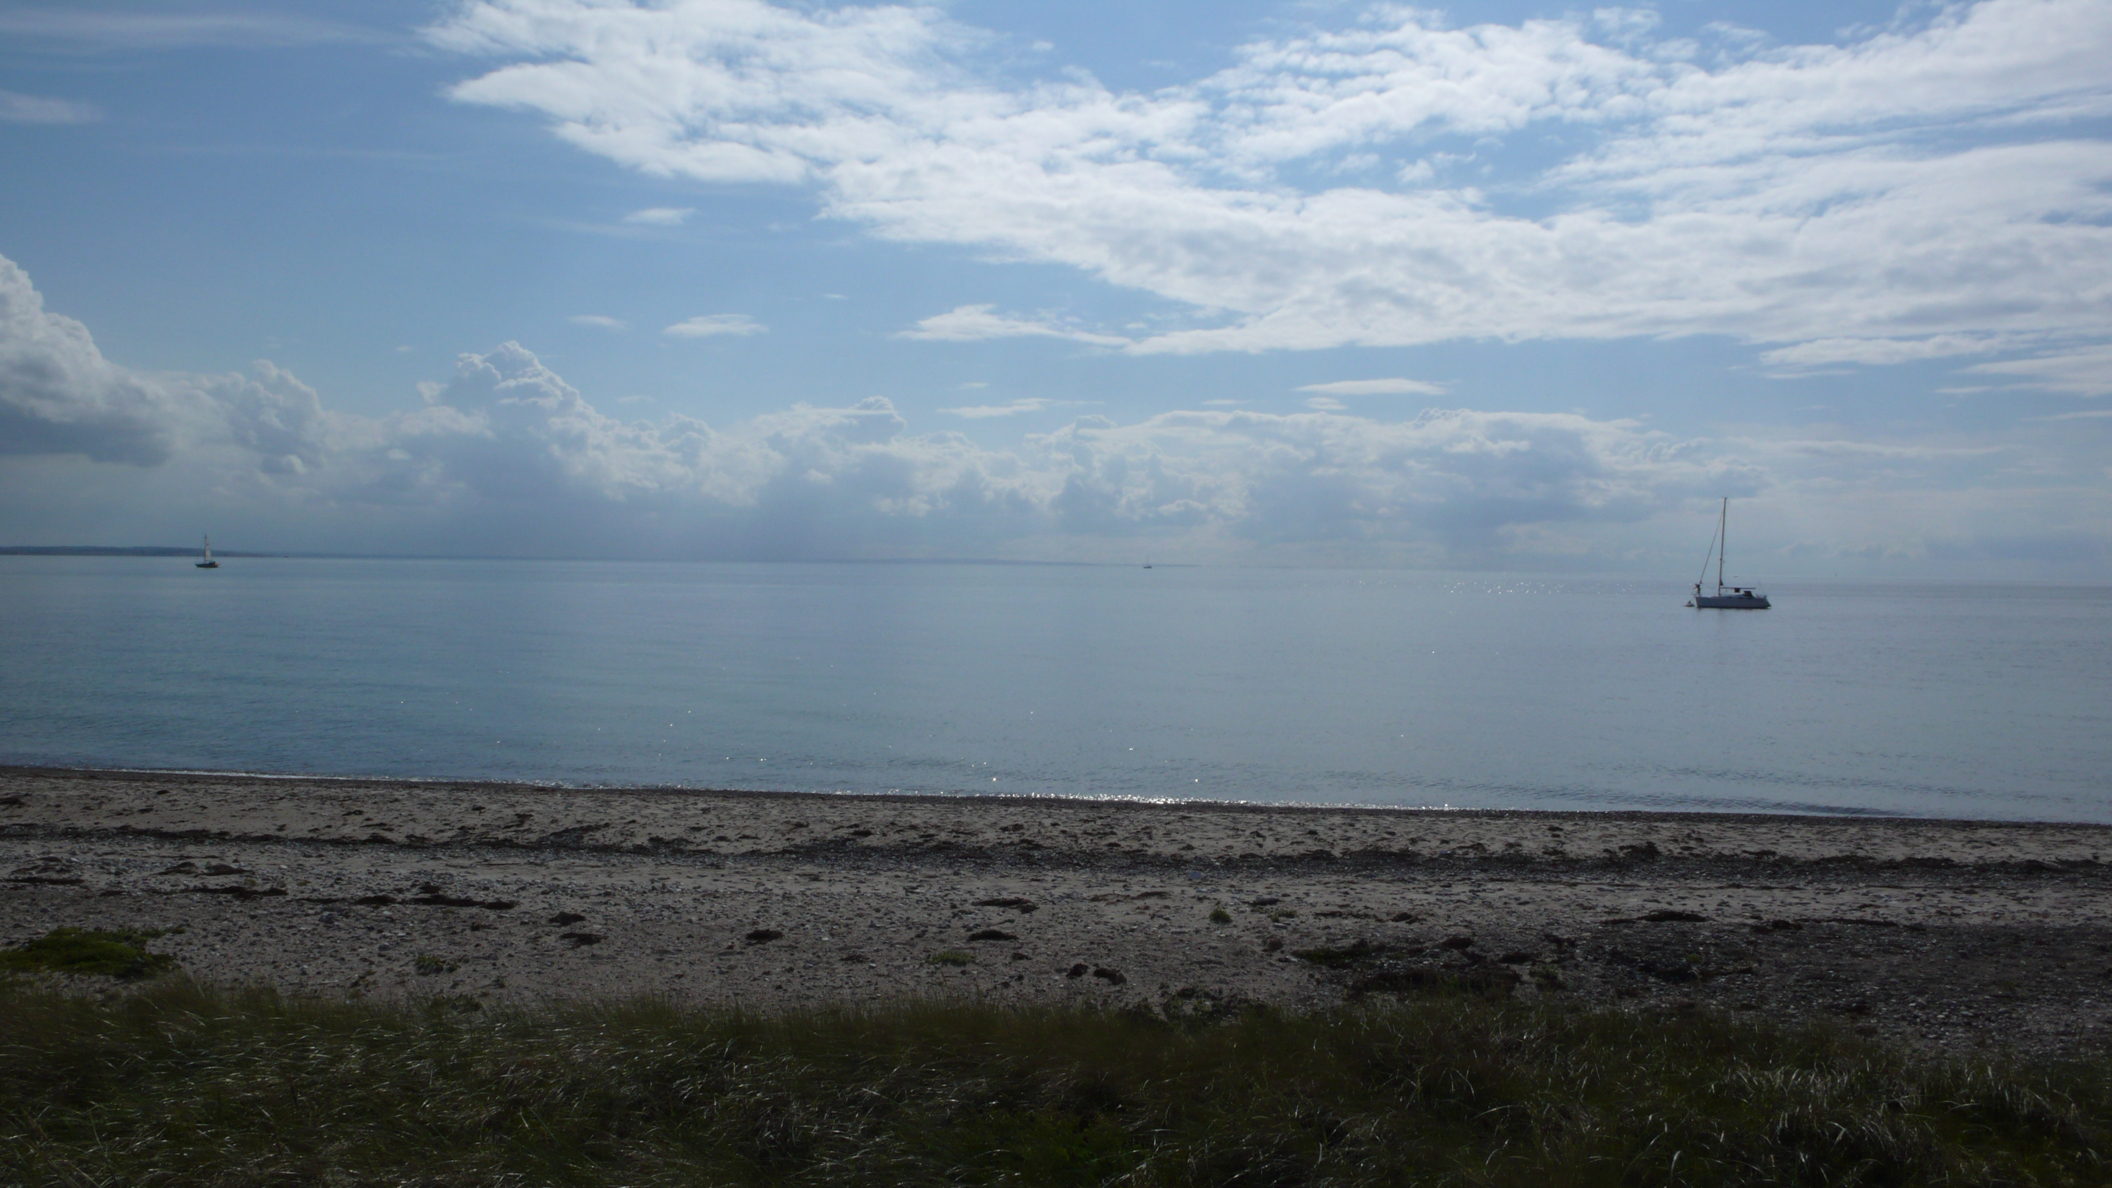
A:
505, 457
1926, 190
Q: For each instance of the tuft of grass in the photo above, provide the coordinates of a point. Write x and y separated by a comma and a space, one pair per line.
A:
951, 957
1219, 915
120, 954
174, 1084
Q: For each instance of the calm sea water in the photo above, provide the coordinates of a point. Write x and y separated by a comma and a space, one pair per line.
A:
1259, 685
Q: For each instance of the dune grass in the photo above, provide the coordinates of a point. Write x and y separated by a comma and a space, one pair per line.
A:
175, 1084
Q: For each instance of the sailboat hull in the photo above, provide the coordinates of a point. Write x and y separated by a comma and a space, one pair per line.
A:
1731, 602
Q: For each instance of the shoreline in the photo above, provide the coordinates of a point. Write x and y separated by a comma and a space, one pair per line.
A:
1953, 934
11, 771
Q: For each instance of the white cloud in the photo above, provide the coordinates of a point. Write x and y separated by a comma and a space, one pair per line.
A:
1324, 404
1928, 183
2086, 372
660, 216
600, 321
506, 457
1377, 387
59, 395
711, 325
34, 109
985, 411
978, 323
1822, 352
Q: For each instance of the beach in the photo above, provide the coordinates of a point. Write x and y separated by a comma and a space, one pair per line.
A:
1959, 936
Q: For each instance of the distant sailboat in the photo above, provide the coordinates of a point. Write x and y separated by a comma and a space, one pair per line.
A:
1739, 597
206, 561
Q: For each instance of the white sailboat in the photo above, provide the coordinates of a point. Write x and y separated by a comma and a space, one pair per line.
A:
206, 561
1726, 597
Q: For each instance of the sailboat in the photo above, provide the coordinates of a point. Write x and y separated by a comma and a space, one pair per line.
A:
1739, 597
206, 561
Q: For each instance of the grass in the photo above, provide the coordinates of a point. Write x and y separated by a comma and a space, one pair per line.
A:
174, 1084
120, 954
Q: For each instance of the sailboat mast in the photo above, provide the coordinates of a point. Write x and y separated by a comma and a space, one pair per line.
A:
1723, 528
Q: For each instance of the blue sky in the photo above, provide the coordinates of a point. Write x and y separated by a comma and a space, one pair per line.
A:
1505, 285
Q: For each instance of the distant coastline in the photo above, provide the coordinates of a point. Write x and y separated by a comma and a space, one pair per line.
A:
112, 551
192, 551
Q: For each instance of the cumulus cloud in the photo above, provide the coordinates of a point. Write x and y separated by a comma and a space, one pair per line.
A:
58, 395
712, 325
1377, 387
505, 455
1937, 182
35, 109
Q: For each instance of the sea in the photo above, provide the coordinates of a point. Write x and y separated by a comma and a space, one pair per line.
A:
1414, 689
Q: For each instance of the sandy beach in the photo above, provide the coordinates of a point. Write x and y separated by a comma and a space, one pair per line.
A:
1956, 935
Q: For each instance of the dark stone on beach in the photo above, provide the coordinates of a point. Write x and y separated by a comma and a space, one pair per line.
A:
1482, 979
762, 936
375, 900
11, 802
1404, 918
1669, 916
1010, 901
1778, 926
1355, 951
1677, 972
581, 939
1112, 977
563, 918
991, 934
1264, 902
496, 905
1518, 957
1078, 971
571, 838
1456, 942
237, 890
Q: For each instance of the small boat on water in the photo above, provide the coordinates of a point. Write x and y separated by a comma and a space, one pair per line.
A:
206, 561
1726, 597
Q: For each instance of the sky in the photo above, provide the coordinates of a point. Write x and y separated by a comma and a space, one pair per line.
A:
1508, 286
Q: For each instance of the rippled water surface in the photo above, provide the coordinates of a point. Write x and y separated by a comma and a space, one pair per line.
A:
1266, 685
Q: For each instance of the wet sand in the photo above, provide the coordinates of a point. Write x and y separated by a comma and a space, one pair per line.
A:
1958, 935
